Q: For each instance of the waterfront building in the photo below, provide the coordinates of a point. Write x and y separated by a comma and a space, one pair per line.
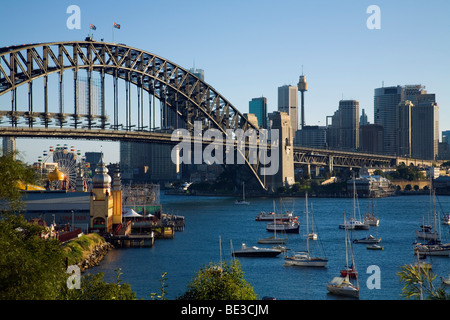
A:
288, 103
258, 106
371, 186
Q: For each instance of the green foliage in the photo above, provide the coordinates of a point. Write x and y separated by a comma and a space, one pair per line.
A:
220, 282
30, 268
11, 173
155, 296
93, 287
404, 172
419, 283
77, 249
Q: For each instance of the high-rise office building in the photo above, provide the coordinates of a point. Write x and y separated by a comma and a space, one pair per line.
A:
386, 101
425, 127
404, 112
199, 73
371, 138
258, 106
349, 124
363, 120
288, 103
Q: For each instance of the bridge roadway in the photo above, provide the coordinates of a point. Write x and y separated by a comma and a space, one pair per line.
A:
302, 155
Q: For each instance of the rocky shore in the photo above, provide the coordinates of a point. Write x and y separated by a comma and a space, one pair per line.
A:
96, 254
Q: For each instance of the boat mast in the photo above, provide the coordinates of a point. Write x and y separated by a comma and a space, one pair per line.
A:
307, 230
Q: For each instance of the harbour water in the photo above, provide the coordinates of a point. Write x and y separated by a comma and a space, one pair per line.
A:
211, 218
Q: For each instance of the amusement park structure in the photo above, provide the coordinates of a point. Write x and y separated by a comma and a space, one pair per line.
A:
60, 167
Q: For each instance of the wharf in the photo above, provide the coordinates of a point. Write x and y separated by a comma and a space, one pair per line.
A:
132, 240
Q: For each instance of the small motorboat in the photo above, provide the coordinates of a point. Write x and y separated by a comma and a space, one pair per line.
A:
369, 239
256, 252
374, 247
292, 226
446, 281
446, 219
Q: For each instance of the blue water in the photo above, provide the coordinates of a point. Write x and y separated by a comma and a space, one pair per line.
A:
208, 218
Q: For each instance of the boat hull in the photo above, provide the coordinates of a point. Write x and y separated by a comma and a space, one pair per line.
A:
272, 240
257, 253
312, 262
348, 291
283, 227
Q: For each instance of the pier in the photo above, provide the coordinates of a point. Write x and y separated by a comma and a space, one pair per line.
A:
131, 241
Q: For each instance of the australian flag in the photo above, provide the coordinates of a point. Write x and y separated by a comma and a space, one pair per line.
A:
115, 25
91, 26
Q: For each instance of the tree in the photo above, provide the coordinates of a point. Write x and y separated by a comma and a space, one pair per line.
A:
31, 268
220, 282
13, 172
419, 283
93, 287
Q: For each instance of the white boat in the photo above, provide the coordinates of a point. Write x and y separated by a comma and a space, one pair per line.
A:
369, 239
292, 226
269, 216
425, 233
353, 224
374, 247
243, 196
304, 259
433, 249
446, 281
446, 219
256, 252
342, 285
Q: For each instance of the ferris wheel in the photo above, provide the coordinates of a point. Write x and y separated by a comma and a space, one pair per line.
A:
65, 160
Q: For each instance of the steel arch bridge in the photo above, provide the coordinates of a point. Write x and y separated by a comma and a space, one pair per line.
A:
186, 98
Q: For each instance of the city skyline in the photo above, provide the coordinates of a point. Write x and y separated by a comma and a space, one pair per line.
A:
341, 56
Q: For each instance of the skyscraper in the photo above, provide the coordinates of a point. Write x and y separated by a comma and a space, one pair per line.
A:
258, 106
349, 124
288, 102
425, 127
386, 101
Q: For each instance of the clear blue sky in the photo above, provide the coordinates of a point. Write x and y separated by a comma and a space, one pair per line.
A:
248, 48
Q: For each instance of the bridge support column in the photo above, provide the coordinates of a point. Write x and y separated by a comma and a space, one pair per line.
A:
330, 163
285, 175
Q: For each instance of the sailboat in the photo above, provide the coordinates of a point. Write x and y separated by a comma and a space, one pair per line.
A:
425, 231
274, 239
342, 285
243, 196
434, 247
354, 224
304, 259
370, 219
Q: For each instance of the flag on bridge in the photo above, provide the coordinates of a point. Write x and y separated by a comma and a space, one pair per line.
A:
91, 26
115, 25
